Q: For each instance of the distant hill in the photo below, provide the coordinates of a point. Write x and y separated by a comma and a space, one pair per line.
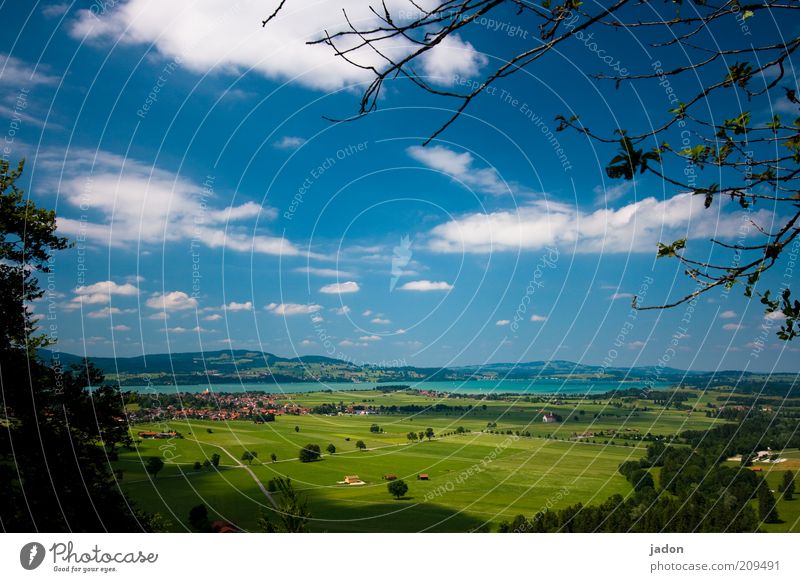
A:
234, 366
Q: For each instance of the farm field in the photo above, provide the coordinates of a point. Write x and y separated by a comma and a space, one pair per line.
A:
476, 479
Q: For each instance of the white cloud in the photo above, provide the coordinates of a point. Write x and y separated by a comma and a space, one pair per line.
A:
159, 316
172, 301
729, 314
460, 166
53, 10
381, 321
451, 57
121, 328
537, 318
343, 310
346, 287
502, 322
213, 317
196, 329
289, 142
107, 311
17, 73
100, 292
129, 201
350, 344
617, 296
732, 326
212, 36
635, 227
367, 312
636, 345
425, 285
775, 316
317, 318
233, 306
370, 338
307, 343
292, 308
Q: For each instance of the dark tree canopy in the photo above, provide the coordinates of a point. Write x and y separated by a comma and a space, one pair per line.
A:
63, 425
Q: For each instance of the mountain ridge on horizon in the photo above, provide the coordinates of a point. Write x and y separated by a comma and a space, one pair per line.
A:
242, 358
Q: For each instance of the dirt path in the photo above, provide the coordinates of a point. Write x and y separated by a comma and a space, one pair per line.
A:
241, 465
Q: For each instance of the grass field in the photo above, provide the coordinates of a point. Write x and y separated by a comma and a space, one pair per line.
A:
476, 479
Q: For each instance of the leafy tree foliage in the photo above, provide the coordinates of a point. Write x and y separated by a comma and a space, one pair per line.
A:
154, 465
787, 486
249, 456
398, 488
291, 514
198, 518
310, 453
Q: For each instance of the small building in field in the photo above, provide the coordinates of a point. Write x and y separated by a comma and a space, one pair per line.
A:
352, 480
390, 477
549, 418
423, 477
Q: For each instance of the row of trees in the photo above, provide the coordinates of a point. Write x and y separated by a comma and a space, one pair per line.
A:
421, 435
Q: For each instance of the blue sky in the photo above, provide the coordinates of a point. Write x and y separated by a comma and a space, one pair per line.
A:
187, 153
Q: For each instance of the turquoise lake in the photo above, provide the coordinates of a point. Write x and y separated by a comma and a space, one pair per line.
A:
467, 387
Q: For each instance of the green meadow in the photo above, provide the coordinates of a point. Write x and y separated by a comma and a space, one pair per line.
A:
476, 478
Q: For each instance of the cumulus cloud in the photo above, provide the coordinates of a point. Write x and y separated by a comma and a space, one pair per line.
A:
129, 201
213, 317
346, 287
502, 322
292, 308
101, 292
537, 318
108, 311
453, 56
234, 306
370, 338
121, 328
732, 326
171, 301
729, 314
381, 321
426, 285
460, 167
208, 36
633, 228
343, 310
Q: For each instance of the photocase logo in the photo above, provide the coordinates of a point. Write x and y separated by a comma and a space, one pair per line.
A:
31, 555
400, 258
